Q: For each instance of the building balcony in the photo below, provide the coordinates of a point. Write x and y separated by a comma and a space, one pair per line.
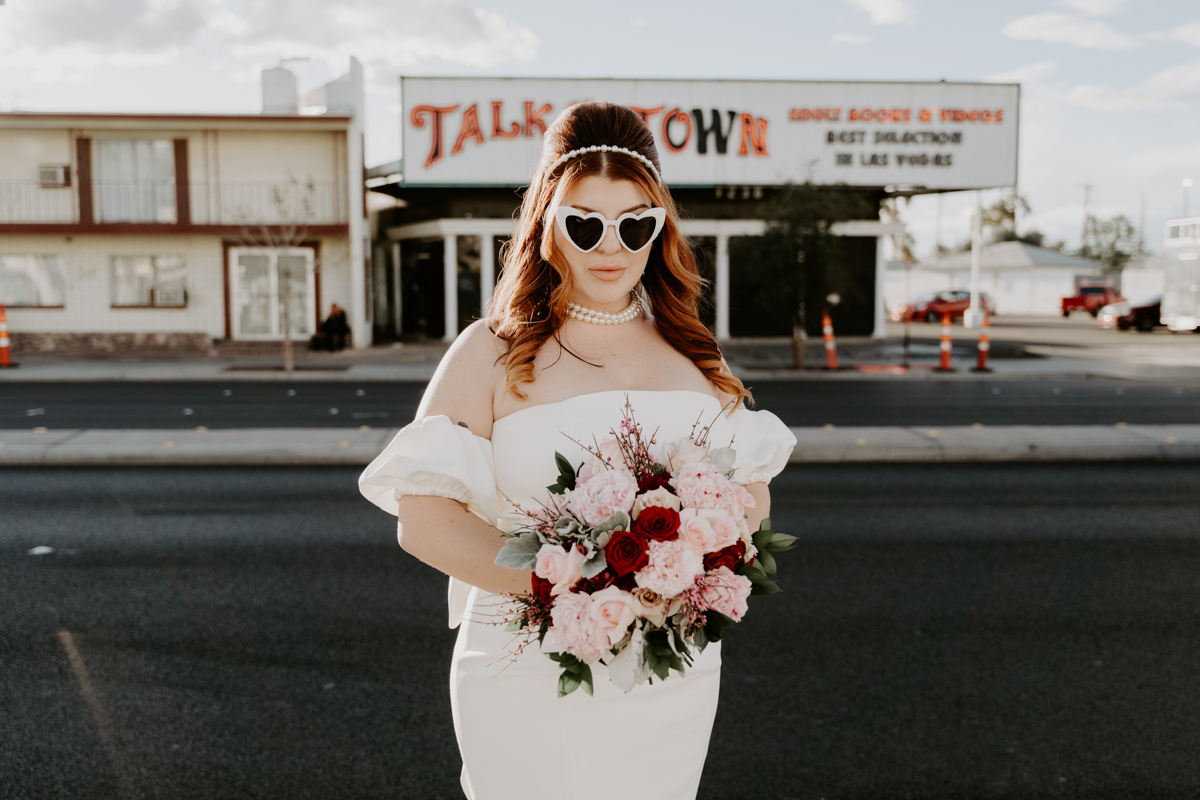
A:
228, 205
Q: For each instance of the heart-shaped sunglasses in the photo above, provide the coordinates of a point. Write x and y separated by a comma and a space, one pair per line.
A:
635, 232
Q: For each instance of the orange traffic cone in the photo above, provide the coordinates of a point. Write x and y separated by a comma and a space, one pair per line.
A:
831, 361
984, 346
5, 351
945, 346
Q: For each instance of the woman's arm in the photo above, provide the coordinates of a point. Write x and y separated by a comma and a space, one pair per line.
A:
762, 507
439, 531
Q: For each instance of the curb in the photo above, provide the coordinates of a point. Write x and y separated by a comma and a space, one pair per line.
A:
828, 445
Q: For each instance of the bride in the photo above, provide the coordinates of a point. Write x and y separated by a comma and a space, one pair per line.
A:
597, 302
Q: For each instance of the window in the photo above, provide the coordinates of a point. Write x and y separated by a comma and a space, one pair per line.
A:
149, 281
135, 180
29, 280
54, 176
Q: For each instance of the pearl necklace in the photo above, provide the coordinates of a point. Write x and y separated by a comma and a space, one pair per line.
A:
585, 314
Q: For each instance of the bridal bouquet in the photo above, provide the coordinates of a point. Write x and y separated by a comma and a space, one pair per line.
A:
639, 561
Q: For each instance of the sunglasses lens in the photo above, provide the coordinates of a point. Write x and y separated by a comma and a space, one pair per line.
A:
585, 233
635, 233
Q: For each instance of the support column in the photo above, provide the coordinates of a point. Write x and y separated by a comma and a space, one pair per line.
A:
880, 331
450, 285
722, 287
398, 292
487, 272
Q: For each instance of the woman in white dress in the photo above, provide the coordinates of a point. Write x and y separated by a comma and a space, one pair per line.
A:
597, 301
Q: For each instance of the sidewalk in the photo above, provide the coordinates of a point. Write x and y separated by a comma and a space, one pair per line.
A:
349, 446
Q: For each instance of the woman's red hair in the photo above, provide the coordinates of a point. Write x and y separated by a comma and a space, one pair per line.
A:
530, 302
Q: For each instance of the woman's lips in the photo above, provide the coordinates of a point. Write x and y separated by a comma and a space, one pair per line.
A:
607, 273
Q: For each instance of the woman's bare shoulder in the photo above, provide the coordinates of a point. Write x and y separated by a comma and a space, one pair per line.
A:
467, 379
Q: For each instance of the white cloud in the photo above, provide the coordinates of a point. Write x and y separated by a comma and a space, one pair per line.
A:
1188, 33
1172, 88
1094, 7
1036, 73
66, 40
1056, 28
885, 12
850, 38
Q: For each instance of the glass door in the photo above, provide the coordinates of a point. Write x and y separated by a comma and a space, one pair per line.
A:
272, 288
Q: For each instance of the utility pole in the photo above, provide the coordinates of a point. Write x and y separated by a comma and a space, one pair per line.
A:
974, 316
1187, 184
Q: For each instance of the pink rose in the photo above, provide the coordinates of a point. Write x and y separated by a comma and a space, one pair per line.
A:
576, 630
696, 531
726, 593
673, 567
551, 563
725, 528
571, 571
598, 498
614, 611
701, 485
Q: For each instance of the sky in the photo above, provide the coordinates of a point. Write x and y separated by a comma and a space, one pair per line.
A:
1110, 88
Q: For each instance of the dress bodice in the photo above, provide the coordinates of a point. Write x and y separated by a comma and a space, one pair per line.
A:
524, 442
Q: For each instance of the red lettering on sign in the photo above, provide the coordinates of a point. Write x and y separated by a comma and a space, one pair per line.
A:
470, 129
925, 115
676, 115
646, 113
437, 115
498, 132
815, 114
534, 120
754, 131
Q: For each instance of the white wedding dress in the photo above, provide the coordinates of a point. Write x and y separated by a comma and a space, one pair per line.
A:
518, 740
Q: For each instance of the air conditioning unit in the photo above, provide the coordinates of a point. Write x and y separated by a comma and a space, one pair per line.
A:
54, 176
172, 296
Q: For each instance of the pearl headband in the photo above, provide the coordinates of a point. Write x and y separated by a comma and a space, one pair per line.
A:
607, 148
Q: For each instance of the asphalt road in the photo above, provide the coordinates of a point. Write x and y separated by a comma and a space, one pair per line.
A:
1011, 631
1074, 401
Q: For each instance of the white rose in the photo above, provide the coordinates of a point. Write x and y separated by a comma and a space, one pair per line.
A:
685, 451
658, 498
551, 563
650, 605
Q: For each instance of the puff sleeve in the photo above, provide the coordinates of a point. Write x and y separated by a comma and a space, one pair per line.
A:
763, 444
434, 457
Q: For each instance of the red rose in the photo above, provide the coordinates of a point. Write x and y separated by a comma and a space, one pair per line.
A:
541, 590
729, 557
594, 584
651, 482
657, 523
626, 583
627, 552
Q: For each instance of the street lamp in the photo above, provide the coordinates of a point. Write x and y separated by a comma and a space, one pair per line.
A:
1187, 184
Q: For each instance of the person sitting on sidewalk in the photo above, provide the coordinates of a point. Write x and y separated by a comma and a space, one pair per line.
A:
334, 332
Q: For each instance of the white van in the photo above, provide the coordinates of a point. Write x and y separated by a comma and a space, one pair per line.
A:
1181, 275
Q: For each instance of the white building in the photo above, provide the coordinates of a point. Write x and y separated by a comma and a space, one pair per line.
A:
1020, 278
175, 230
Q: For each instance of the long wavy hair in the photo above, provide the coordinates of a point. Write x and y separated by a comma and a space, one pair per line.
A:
535, 286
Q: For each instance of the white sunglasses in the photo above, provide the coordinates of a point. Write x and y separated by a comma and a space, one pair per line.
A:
635, 232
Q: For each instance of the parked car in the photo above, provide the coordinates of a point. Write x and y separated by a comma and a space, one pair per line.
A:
1144, 316
1090, 299
930, 306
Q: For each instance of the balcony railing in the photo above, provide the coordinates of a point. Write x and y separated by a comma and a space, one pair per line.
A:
28, 201
291, 203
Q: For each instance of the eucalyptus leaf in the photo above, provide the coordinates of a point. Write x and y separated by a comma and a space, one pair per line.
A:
723, 458
519, 552
594, 566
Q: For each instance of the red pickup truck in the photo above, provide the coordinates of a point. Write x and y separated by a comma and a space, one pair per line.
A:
1090, 299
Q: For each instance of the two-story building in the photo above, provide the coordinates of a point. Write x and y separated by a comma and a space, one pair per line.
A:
178, 230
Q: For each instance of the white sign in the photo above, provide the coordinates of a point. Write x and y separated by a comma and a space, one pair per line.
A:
488, 132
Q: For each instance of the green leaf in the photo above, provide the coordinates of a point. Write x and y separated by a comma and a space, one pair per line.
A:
780, 543
585, 677
768, 562
661, 667
715, 623
766, 587
566, 473
761, 539
567, 683
765, 525
519, 552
